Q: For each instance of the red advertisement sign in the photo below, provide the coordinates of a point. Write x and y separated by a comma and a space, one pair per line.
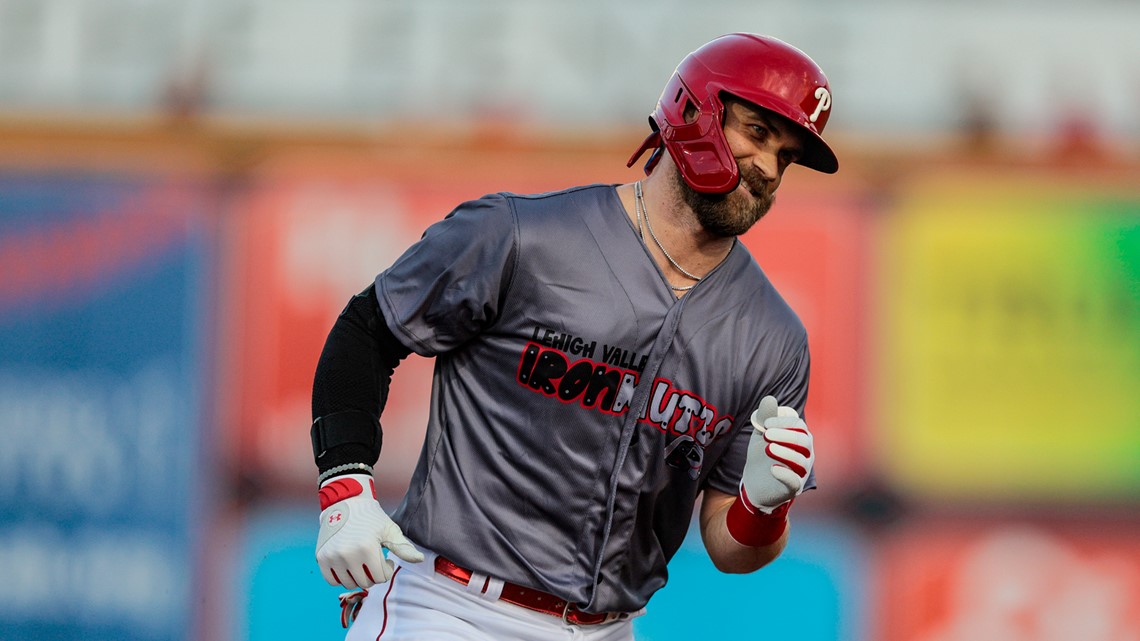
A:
812, 248
1009, 581
304, 239
299, 249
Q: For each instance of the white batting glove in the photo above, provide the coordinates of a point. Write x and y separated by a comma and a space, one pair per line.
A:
781, 453
353, 530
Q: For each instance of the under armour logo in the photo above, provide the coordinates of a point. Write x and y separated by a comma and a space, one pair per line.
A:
334, 517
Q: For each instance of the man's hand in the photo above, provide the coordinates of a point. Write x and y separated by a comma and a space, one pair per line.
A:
353, 529
781, 453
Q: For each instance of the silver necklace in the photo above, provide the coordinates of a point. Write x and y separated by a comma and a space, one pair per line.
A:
643, 211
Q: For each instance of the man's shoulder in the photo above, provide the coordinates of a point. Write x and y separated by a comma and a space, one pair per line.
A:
580, 195
571, 206
511, 205
760, 297
595, 190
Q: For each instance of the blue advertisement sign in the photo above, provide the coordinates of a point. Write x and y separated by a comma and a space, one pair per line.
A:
815, 591
103, 291
285, 595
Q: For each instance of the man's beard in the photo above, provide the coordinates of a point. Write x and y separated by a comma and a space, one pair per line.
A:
728, 214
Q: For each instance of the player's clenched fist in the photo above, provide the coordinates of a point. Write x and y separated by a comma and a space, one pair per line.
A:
781, 453
353, 530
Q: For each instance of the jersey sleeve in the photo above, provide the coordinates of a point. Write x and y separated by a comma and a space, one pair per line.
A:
790, 389
449, 285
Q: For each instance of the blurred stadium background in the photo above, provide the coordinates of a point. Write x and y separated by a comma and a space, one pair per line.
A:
191, 190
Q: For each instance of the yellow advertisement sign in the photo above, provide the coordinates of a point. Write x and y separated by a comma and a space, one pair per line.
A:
1010, 344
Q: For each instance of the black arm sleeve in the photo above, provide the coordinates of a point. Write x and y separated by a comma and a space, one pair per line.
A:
354, 371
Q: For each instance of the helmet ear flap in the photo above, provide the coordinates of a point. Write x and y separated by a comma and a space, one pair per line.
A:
697, 143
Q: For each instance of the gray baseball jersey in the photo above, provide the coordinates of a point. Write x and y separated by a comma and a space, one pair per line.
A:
578, 407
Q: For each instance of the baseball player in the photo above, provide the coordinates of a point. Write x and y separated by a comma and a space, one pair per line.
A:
604, 355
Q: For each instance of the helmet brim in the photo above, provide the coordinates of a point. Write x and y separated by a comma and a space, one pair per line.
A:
818, 154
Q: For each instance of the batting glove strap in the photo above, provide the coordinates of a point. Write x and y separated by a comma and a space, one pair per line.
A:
751, 527
350, 603
339, 489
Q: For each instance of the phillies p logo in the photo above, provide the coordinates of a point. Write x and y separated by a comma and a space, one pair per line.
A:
824, 98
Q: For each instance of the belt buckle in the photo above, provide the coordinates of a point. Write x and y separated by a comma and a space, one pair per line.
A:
571, 609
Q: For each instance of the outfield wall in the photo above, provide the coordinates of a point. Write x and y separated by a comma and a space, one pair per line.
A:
975, 326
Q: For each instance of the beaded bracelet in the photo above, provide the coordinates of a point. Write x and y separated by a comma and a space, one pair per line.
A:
333, 471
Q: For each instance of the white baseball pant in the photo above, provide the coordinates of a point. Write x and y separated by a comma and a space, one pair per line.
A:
418, 604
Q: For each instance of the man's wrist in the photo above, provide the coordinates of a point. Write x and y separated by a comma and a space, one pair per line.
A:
346, 486
347, 468
748, 525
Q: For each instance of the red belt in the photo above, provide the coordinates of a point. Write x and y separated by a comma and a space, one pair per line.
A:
530, 598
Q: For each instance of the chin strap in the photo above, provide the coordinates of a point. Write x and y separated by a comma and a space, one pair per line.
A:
652, 141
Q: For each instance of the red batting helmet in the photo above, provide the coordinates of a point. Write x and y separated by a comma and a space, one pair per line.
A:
760, 69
